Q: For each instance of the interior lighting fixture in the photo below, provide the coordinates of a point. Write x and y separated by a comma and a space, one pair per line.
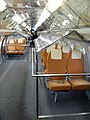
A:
2, 5
28, 27
18, 18
44, 15
38, 3
26, 6
23, 24
65, 22
70, 16
50, 7
27, 15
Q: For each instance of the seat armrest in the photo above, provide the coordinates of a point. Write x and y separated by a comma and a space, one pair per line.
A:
87, 78
68, 77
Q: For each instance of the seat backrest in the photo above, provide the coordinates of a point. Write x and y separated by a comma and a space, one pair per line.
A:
20, 44
59, 45
45, 53
44, 57
55, 63
66, 50
88, 58
51, 47
11, 45
75, 63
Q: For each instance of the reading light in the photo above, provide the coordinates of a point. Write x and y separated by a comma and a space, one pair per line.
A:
26, 6
27, 15
2, 5
70, 16
38, 3
65, 22
28, 27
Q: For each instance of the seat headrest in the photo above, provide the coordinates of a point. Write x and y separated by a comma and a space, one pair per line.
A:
59, 46
50, 47
76, 54
56, 54
20, 40
66, 49
11, 41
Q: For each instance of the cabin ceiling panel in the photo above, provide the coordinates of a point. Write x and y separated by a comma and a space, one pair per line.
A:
72, 14
86, 15
69, 14
79, 6
60, 21
41, 2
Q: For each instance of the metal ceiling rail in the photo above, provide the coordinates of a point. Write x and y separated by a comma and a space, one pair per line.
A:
62, 13
23, 7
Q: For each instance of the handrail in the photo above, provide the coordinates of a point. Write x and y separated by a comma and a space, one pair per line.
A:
52, 75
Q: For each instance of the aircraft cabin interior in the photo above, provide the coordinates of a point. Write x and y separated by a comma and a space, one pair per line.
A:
44, 59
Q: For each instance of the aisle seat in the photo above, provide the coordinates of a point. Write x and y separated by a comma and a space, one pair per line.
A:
59, 46
57, 85
44, 57
16, 47
45, 54
11, 47
56, 65
66, 50
75, 65
20, 44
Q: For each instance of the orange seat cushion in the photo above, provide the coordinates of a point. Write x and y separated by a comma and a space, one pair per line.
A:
20, 46
79, 84
75, 66
10, 52
20, 52
15, 52
44, 57
11, 47
58, 85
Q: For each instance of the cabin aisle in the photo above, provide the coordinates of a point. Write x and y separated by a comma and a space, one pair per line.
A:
13, 83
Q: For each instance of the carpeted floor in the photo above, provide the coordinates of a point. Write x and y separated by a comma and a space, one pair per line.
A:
67, 102
18, 96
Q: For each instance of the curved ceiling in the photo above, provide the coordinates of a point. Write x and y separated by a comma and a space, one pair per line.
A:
73, 14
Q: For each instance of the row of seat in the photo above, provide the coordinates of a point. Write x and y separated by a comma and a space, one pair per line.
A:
65, 61
16, 46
